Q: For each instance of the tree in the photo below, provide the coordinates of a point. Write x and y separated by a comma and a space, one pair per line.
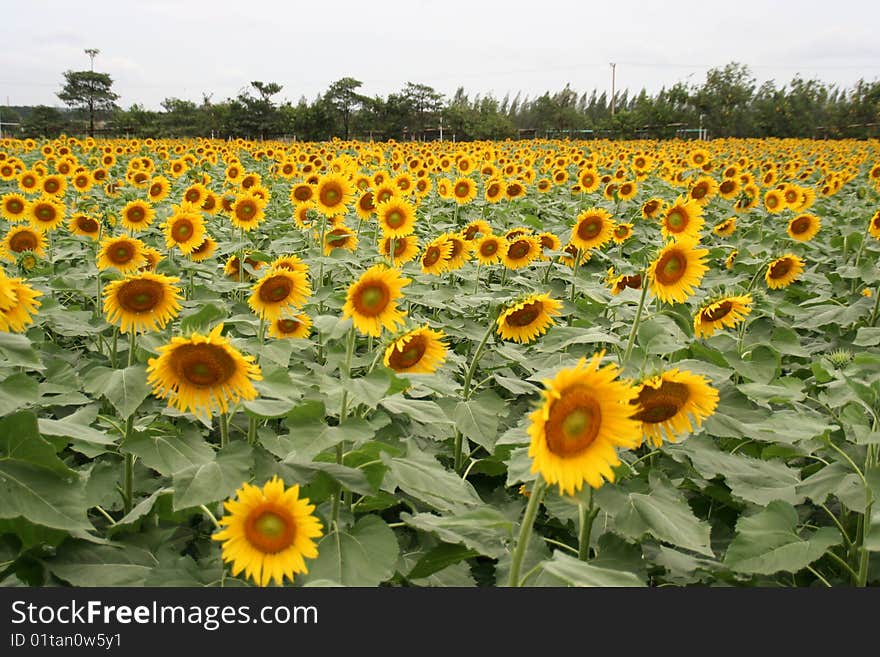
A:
89, 91
43, 121
344, 99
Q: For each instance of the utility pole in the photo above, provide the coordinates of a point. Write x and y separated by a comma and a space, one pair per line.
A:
441, 127
92, 53
613, 87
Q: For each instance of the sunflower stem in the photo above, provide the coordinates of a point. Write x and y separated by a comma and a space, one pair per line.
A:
210, 515
128, 471
865, 237
469, 375
391, 246
525, 531
876, 306
113, 344
224, 430
586, 515
870, 462
574, 269
477, 281
635, 327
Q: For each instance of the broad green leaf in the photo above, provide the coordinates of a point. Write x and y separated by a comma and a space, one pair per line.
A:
17, 351
420, 410
17, 391
20, 440
126, 389
168, 455
486, 530
477, 418
425, 479
661, 335
84, 564
214, 480
440, 557
768, 542
206, 315
363, 555
565, 570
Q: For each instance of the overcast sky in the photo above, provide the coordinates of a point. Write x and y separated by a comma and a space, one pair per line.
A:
155, 49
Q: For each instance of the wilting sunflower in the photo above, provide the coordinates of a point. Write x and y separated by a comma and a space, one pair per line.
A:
488, 249
185, 230
621, 233
677, 270
874, 226
333, 194
297, 325
673, 403
204, 250
405, 248
268, 532
474, 228
520, 251
152, 257
371, 301
584, 418
247, 211
123, 253
46, 213
14, 207
278, 291
727, 311
142, 302
804, 227
464, 190
21, 239
619, 282
593, 228
84, 225
340, 237
528, 319
420, 351
783, 271
684, 218
137, 215
202, 374
435, 256
460, 252
397, 217
652, 208
725, 228
16, 316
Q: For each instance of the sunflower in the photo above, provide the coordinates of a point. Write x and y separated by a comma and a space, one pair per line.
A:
54, 185
618, 283
8, 298
684, 218
874, 225
397, 217
704, 188
123, 253
186, 230
365, 207
333, 193
774, 201
302, 192
202, 374
158, 189
804, 227
420, 351
301, 216
725, 228
290, 263
621, 233
729, 188
460, 252
85, 226
520, 251
435, 256
195, 194
677, 270
627, 190
142, 302
21, 239
232, 268
652, 208
727, 311
268, 532
514, 190
204, 250
488, 249
589, 181
152, 257
371, 301
528, 319
783, 271
405, 248
297, 325
29, 181
474, 228
730, 259
16, 315
46, 213
278, 291
594, 227
340, 237
464, 190
584, 417
247, 211
494, 191
14, 207
137, 215
673, 403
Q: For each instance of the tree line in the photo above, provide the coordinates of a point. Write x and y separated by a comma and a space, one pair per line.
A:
728, 103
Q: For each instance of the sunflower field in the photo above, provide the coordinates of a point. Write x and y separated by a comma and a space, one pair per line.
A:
519, 363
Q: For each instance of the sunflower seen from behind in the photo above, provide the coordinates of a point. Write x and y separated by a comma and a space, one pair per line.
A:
142, 302
268, 532
371, 301
673, 403
584, 417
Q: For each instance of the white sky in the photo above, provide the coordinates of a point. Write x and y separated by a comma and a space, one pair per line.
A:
155, 49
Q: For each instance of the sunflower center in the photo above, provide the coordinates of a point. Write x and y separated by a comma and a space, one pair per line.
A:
717, 311
432, 255
288, 325
270, 528
727, 186
671, 267
204, 364
589, 228
330, 196
193, 195
136, 215
337, 238
155, 189
574, 422
15, 206
525, 315
660, 404
372, 299
462, 189
275, 289
699, 192
780, 268
45, 213
800, 225
140, 295
366, 202
23, 241
395, 218
676, 221
620, 231
245, 210
489, 248
519, 249
87, 225
51, 186
493, 190
410, 355
182, 230
121, 253
772, 201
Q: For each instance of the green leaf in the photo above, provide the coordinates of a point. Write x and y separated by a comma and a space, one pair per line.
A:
126, 389
84, 564
207, 314
426, 480
661, 335
364, 555
368, 390
420, 410
20, 440
17, 391
18, 351
485, 530
440, 557
215, 480
168, 455
312, 437
564, 570
767, 542
478, 418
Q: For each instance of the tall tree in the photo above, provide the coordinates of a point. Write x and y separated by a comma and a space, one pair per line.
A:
342, 96
90, 91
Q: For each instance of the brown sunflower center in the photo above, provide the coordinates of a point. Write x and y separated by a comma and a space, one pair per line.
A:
699, 191
288, 325
121, 253
574, 422
489, 248
51, 186
182, 230
457, 247
780, 268
270, 528
651, 207
15, 206
45, 212
659, 404
671, 267
331, 195
772, 201
494, 190
717, 311
245, 210
366, 202
87, 224
23, 241
432, 255
136, 214
727, 187
395, 218
193, 195
302, 192
411, 353
372, 299
525, 315
621, 231
519, 250
589, 228
156, 189
462, 190
337, 238
800, 225
275, 289
676, 221
140, 296
203, 364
